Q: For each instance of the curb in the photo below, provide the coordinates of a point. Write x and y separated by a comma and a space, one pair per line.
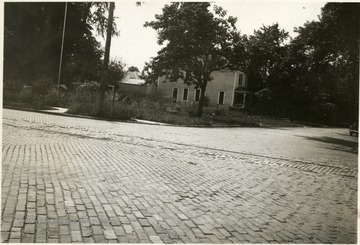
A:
134, 120
65, 114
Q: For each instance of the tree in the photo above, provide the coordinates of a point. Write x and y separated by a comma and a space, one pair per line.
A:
116, 72
33, 39
198, 42
325, 58
133, 68
267, 68
104, 74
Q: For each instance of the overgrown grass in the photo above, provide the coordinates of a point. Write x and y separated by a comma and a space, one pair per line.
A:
166, 111
84, 101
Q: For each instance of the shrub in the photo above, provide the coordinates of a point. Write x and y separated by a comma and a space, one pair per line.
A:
83, 108
26, 94
55, 98
42, 86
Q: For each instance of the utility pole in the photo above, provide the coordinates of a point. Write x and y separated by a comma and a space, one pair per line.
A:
61, 52
106, 60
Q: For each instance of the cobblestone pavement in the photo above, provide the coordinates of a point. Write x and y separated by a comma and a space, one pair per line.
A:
79, 180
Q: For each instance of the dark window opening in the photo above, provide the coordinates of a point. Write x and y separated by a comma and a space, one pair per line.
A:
174, 94
221, 97
197, 94
185, 94
241, 77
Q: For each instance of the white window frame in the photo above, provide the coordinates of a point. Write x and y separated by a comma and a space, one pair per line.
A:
187, 94
177, 94
199, 94
223, 102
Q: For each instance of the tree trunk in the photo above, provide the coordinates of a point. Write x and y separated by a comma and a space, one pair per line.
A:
106, 60
201, 101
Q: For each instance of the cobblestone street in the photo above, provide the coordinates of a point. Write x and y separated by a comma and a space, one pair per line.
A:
68, 179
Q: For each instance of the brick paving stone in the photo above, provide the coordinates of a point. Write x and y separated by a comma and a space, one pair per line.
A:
76, 236
124, 219
119, 230
182, 216
205, 229
97, 230
198, 233
139, 187
128, 229
65, 239
214, 239
99, 239
15, 234
5, 226
86, 231
5, 236
29, 228
155, 239
132, 238
149, 231
64, 230
144, 222
110, 234
28, 238
40, 236
88, 240
15, 240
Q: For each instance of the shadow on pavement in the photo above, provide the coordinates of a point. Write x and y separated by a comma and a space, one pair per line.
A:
337, 144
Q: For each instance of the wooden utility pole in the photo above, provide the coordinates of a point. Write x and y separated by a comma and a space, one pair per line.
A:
61, 51
106, 60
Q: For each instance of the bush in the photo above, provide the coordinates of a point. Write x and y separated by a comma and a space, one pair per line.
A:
26, 94
42, 86
55, 98
82, 108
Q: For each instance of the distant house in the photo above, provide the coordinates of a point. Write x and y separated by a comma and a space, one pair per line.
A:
227, 89
134, 84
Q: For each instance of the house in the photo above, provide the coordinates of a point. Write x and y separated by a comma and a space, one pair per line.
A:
227, 89
134, 84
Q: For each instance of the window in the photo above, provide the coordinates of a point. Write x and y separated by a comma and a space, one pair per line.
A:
241, 78
174, 94
197, 94
185, 94
221, 97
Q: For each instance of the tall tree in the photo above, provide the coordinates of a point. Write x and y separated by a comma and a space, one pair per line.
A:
198, 42
325, 58
33, 39
104, 74
266, 67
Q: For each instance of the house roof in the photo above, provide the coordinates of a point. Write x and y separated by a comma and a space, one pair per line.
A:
133, 81
133, 77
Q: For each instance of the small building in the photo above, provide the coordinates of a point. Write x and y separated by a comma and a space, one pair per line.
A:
227, 89
134, 84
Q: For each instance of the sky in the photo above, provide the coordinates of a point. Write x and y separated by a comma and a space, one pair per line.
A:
137, 44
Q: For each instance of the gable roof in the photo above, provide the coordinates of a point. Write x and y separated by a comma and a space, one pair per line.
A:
133, 77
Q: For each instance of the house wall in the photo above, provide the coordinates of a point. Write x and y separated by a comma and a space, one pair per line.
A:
224, 80
151, 89
132, 88
140, 89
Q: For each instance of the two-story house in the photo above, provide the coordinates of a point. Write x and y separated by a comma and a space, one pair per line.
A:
228, 88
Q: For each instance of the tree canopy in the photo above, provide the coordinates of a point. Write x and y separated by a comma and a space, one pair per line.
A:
32, 42
133, 68
312, 77
198, 42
